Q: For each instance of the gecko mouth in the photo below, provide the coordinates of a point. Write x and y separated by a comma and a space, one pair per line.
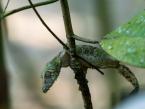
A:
44, 89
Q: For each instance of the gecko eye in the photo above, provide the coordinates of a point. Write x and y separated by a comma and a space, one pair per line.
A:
48, 74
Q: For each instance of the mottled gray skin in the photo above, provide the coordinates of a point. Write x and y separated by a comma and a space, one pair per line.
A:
51, 73
94, 55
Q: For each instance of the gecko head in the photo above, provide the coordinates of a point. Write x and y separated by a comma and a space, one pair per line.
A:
51, 73
48, 80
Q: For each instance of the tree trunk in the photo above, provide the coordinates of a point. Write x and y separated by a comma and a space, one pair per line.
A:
4, 89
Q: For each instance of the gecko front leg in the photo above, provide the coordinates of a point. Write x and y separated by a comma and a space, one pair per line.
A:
126, 72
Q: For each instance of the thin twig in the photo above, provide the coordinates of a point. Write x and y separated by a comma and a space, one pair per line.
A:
47, 27
75, 65
27, 7
6, 6
85, 40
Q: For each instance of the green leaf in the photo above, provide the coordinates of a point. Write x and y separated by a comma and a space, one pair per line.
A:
127, 43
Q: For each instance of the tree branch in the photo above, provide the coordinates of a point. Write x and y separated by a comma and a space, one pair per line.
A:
75, 65
27, 7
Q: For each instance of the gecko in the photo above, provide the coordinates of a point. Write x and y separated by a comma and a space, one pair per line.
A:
94, 55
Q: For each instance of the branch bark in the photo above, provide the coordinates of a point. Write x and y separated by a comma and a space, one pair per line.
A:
80, 75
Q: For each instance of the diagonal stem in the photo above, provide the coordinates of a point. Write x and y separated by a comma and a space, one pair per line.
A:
47, 27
